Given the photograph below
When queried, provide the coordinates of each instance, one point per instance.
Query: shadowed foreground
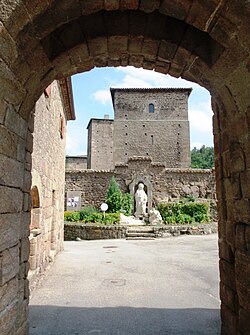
(119, 287)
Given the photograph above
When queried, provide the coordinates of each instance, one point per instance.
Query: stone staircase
(140, 233)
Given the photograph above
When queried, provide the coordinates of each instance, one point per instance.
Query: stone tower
(100, 144)
(152, 122)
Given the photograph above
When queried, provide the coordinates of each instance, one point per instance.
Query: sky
(92, 99)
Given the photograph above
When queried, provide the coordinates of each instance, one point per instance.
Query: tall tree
(202, 158)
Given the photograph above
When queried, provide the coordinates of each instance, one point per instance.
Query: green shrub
(127, 204)
(118, 201)
(87, 211)
(114, 196)
(71, 216)
(88, 215)
(184, 212)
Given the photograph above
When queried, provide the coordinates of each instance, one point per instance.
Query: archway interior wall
(27, 68)
(48, 166)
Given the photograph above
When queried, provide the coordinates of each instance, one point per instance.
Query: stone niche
(133, 185)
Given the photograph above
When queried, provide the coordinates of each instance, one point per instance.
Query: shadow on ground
(55, 320)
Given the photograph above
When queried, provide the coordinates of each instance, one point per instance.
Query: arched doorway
(205, 43)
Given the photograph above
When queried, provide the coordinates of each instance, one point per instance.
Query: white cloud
(138, 77)
(130, 81)
(200, 118)
(102, 96)
(76, 143)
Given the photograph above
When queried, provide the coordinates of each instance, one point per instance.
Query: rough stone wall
(100, 144)
(205, 42)
(76, 162)
(167, 184)
(48, 172)
(72, 231)
(162, 134)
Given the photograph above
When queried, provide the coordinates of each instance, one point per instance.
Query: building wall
(163, 134)
(167, 184)
(76, 162)
(48, 173)
(100, 144)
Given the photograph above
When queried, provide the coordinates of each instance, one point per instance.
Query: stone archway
(207, 43)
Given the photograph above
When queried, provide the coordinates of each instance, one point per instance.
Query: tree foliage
(202, 158)
(116, 200)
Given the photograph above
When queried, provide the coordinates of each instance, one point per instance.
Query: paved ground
(118, 287)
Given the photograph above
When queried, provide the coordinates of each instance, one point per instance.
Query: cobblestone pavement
(118, 287)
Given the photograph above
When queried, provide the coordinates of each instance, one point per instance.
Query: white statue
(155, 217)
(140, 201)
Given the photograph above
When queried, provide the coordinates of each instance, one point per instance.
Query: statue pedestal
(131, 220)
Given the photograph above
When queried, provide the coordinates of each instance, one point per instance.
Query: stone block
(225, 251)
(32, 262)
(8, 293)
(229, 297)
(9, 264)
(237, 157)
(243, 292)
(26, 202)
(149, 5)
(241, 211)
(117, 45)
(11, 200)
(244, 183)
(33, 248)
(11, 89)
(129, 4)
(8, 318)
(25, 224)
(9, 230)
(8, 142)
(150, 49)
(240, 241)
(22, 312)
(3, 106)
(25, 249)
(29, 142)
(111, 4)
(27, 180)
(14, 172)
(166, 51)
(229, 320)
(242, 268)
(98, 46)
(8, 48)
(89, 6)
(208, 10)
(23, 330)
(227, 274)
(15, 122)
(21, 151)
(244, 321)
(177, 9)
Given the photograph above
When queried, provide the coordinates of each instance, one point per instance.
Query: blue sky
(92, 100)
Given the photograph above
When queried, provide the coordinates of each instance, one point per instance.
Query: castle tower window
(151, 108)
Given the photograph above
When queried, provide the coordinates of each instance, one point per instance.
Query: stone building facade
(52, 111)
(76, 162)
(152, 122)
(147, 122)
(100, 144)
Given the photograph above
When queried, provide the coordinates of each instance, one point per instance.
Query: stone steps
(140, 233)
